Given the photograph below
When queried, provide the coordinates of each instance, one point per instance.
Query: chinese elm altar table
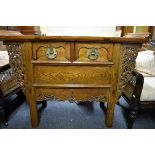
(72, 68)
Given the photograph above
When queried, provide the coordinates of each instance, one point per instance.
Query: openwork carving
(128, 90)
(72, 99)
(128, 60)
(15, 60)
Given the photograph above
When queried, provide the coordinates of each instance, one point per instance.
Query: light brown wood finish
(72, 38)
(63, 49)
(28, 81)
(105, 52)
(72, 75)
(73, 94)
(115, 84)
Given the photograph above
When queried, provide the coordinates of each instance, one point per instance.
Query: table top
(72, 38)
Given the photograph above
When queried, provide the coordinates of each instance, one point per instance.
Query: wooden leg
(3, 117)
(21, 94)
(102, 105)
(44, 104)
(33, 112)
(110, 114)
(132, 117)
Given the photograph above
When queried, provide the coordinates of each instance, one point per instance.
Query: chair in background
(8, 81)
(140, 91)
(8, 87)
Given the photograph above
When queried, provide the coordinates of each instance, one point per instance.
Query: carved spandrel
(71, 99)
(15, 60)
(71, 95)
(128, 62)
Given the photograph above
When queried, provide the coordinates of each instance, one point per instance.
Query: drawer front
(72, 75)
(99, 52)
(73, 95)
(53, 51)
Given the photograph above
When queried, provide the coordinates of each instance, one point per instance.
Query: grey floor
(65, 115)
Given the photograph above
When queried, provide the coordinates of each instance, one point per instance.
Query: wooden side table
(72, 68)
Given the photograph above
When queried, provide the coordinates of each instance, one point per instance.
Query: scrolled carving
(72, 99)
(128, 62)
(15, 60)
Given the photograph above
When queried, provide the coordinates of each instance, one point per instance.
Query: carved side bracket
(128, 62)
(15, 60)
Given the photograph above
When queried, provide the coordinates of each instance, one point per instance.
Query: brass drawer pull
(93, 54)
(51, 53)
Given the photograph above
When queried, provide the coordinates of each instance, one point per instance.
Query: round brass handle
(93, 54)
(51, 53)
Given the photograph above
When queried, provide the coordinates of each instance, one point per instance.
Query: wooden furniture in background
(26, 30)
(8, 87)
(29, 30)
(132, 94)
(126, 30)
(139, 91)
(8, 80)
(73, 68)
(137, 35)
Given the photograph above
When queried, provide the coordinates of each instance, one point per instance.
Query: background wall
(78, 31)
(141, 29)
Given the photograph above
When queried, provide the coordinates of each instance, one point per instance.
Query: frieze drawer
(54, 51)
(98, 52)
(72, 75)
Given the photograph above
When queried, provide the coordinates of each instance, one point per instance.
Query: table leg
(102, 105)
(110, 114)
(33, 112)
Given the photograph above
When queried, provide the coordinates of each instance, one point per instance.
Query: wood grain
(62, 48)
(73, 95)
(105, 52)
(72, 75)
(72, 38)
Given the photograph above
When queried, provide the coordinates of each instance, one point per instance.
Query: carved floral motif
(15, 60)
(128, 60)
(43, 95)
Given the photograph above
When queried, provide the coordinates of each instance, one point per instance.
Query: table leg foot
(102, 105)
(110, 115)
(34, 114)
(44, 104)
